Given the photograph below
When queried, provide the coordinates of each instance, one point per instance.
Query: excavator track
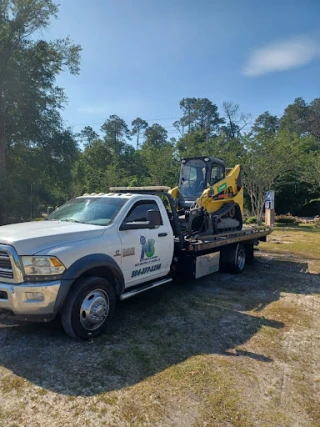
(227, 218)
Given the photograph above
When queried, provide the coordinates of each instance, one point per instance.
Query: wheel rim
(241, 259)
(94, 309)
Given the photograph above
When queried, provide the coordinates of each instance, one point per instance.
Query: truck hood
(28, 238)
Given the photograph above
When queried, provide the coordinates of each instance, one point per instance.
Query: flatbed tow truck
(100, 248)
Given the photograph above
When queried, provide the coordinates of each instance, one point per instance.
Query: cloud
(281, 55)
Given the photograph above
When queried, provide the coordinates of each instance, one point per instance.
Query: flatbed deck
(218, 240)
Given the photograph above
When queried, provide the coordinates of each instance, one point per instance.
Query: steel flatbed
(246, 235)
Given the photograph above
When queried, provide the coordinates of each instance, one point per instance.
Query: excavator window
(217, 174)
(193, 178)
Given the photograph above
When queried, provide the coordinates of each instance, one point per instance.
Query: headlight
(44, 266)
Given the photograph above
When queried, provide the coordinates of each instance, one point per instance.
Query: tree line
(43, 163)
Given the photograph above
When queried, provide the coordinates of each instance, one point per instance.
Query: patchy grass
(228, 350)
(303, 243)
(10, 383)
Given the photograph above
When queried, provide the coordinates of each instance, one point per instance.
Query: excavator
(209, 197)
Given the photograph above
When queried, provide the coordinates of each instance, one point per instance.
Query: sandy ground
(227, 350)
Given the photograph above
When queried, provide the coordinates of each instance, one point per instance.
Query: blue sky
(141, 57)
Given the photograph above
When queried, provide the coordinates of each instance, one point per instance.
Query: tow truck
(97, 249)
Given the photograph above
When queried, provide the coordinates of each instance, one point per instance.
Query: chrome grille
(6, 270)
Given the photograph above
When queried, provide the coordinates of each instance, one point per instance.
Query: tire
(236, 258)
(249, 254)
(88, 308)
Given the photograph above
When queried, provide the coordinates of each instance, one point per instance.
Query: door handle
(162, 234)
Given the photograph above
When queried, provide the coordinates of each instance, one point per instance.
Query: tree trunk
(2, 147)
(259, 217)
(2, 137)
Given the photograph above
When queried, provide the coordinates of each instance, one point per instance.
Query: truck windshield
(193, 178)
(89, 210)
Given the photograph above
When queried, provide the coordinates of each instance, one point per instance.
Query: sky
(141, 57)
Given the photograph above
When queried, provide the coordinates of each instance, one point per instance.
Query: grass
(223, 351)
(303, 241)
(11, 383)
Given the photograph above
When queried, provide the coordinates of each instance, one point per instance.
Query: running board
(143, 288)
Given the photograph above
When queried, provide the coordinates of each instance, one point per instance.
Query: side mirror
(154, 218)
(153, 221)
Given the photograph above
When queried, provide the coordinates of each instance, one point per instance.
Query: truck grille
(6, 271)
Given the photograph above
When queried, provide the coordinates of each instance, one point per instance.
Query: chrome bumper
(29, 298)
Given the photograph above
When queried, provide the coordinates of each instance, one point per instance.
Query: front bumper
(29, 299)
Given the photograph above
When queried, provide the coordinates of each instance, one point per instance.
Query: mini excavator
(209, 197)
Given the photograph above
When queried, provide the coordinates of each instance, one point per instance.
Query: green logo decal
(148, 248)
(222, 187)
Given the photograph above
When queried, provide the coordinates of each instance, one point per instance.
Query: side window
(139, 210)
(217, 174)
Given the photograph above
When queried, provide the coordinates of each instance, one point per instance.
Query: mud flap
(207, 264)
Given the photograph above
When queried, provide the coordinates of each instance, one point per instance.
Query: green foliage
(199, 114)
(266, 125)
(311, 208)
(155, 137)
(251, 220)
(30, 99)
(285, 219)
(116, 133)
(295, 117)
(138, 125)
(35, 151)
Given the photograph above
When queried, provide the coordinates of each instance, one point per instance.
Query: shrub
(316, 222)
(311, 208)
(251, 220)
(286, 219)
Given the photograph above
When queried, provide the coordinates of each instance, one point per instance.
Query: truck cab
(124, 239)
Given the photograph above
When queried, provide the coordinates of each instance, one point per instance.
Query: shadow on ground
(155, 330)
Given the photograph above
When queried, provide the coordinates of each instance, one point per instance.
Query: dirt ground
(228, 350)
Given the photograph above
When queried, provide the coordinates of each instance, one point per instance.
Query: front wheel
(88, 308)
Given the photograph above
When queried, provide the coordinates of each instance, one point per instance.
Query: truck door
(146, 253)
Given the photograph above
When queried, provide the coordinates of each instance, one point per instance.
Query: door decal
(147, 248)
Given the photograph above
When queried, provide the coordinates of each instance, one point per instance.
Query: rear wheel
(89, 307)
(240, 260)
(233, 258)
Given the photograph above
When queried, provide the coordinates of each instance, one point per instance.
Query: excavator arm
(229, 189)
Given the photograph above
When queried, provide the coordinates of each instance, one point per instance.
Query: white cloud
(281, 55)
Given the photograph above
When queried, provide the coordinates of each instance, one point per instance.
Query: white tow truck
(100, 248)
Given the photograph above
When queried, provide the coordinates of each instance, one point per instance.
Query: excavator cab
(197, 174)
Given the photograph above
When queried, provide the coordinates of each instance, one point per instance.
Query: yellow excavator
(209, 197)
